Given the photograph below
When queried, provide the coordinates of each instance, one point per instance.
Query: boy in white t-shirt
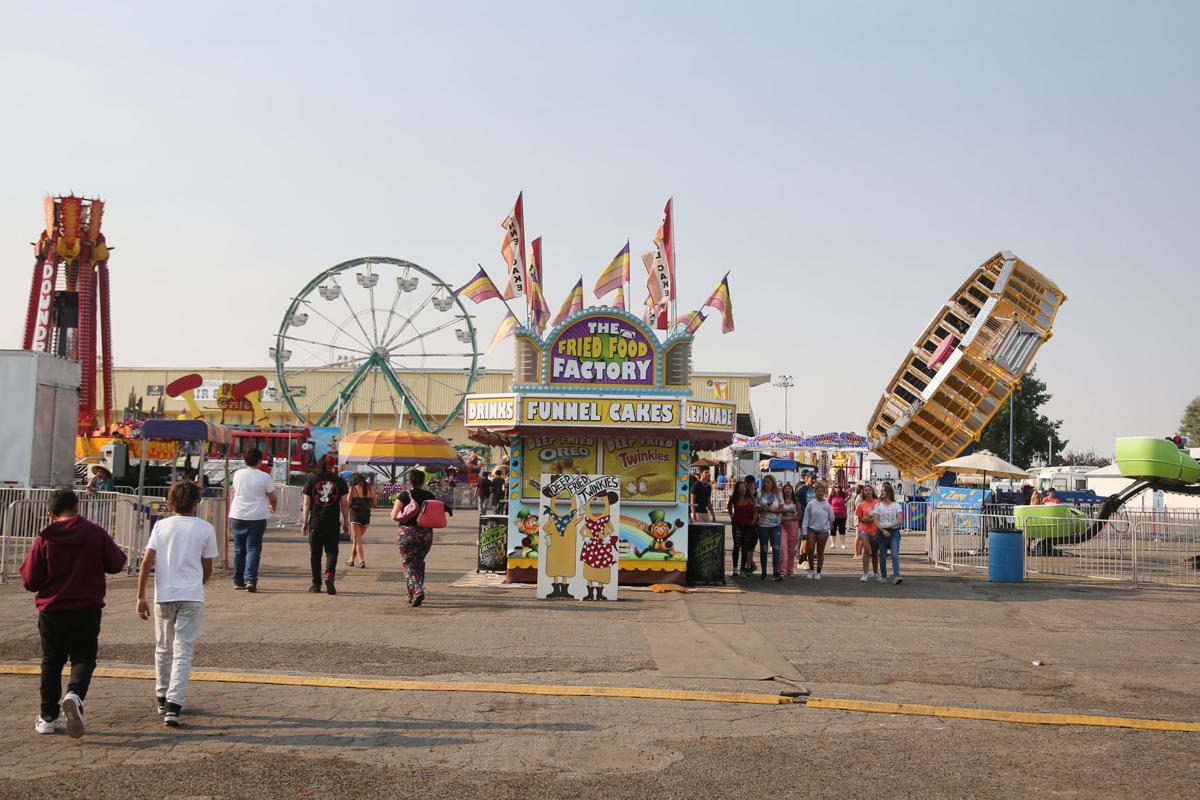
(181, 552)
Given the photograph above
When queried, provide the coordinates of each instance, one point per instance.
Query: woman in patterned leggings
(414, 542)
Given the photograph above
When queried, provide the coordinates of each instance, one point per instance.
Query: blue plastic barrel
(1006, 556)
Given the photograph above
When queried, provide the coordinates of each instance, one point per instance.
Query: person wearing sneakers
(65, 567)
(837, 501)
(180, 552)
(818, 521)
(252, 502)
(867, 545)
(889, 515)
(326, 515)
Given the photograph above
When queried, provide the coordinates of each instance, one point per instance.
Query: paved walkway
(935, 639)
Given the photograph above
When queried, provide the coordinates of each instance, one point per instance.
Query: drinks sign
(602, 350)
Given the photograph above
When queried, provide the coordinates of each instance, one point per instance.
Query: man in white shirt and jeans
(180, 551)
(252, 501)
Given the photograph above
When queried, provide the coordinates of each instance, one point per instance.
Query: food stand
(601, 394)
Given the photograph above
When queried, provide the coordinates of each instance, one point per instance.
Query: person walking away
(483, 491)
(805, 493)
(818, 521)
(326, 514)
(362, 499)
(889, 515)
(414, 542)
(769, 507)
(252, 502)
(180, 552)
(867, 543)
(65, 567)
(837, 501)
(742, 516)
(500, 493)
(701, 499)
(789, 525)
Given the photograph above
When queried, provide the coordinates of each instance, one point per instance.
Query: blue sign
(959, 498)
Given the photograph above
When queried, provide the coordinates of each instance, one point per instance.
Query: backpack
(433, 514)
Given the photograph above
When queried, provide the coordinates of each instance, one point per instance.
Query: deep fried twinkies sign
(601, 350)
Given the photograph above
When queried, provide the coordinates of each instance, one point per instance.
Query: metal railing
(23, 518)
(289, 500)
(1137, 548)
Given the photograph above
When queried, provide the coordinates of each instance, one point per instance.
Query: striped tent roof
(396, 448)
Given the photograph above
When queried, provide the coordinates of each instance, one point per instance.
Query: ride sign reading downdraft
(602, 350)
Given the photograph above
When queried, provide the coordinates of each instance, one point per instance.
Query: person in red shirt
(66, 567)
(742, 515)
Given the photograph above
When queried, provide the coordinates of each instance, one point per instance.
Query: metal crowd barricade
(24, 518)
(1136, 548)
(289, 500)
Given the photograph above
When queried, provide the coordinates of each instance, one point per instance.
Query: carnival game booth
(601, 395)
(172, 432)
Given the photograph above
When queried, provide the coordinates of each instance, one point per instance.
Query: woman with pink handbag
(417, 514)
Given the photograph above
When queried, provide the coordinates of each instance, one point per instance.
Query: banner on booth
(711, 415)
(485, 410)
(602, 412)
(555, 455)
(645, 467)
(602, 350)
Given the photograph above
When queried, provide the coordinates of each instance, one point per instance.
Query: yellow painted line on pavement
(995, 715)
(548, 690)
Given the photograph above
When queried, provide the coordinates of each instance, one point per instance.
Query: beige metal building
(438, 391)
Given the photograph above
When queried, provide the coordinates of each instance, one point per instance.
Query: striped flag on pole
(692, 321)
(507, 326)
(573, 303)
(615, 275)
(721, 301)
(619, 298)
(513, 249)
(479, 288)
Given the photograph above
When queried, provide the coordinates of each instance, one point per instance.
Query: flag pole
(674, 273)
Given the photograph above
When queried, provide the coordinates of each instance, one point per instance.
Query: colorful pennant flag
(539, 309)
(692, 321)
(573, 303)
(721, 301)
(615, 275)
(513, 249)
(479, 288)
(619, 298)
(655, 315)
(653, 289)
(507, 326)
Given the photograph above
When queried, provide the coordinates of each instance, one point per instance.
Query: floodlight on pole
(785, 382)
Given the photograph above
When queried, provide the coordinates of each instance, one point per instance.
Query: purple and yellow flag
(692, 321)
(479, 288)
(573, 303)
(619, 298)
(507, 326)
(615, 275)
(721, 301)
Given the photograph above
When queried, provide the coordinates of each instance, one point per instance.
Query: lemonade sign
(602, 350)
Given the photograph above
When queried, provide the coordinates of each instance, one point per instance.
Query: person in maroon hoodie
(66, 567)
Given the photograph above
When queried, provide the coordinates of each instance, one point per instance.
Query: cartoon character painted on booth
(527, 526)
(660, 531)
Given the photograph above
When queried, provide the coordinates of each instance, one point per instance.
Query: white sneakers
(72, 708)
(818, 575)
(810, 574)
(42, 726)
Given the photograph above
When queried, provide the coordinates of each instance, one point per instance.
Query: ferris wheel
(376, 336)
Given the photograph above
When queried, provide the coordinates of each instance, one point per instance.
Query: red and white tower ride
(68, 299)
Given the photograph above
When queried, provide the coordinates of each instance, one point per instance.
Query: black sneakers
(162, 705)
(315, 588)
(171, 715)
(329, 587)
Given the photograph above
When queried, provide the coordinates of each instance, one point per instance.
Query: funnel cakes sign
(602, 350)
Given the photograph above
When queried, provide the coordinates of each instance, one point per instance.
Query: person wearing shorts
(818, 521)
(868, 546)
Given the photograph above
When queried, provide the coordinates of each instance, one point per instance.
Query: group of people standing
(797, 523)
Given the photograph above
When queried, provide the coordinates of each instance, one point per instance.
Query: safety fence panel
(23, 519)
(289, 500)
(1135, 548)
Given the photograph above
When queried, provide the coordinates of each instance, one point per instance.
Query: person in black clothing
(701, 499)
(414, 542)
(326, 515)
(483, 488)
(500, 492)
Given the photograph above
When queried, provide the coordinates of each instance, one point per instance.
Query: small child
(66, 567)
(181, 550)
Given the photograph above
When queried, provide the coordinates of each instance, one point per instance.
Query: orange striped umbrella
(396, 448)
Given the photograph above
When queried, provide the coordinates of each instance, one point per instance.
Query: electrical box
(40, 419)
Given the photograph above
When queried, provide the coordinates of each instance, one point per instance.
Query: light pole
(785, 383)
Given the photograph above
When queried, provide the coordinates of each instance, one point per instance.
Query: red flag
(539, 310)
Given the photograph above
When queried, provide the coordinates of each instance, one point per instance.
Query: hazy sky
(851, 163)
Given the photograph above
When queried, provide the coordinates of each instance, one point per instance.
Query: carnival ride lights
(964, 366)
(69, 312)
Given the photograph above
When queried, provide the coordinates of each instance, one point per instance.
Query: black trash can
(493, 543)
(706, 554)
